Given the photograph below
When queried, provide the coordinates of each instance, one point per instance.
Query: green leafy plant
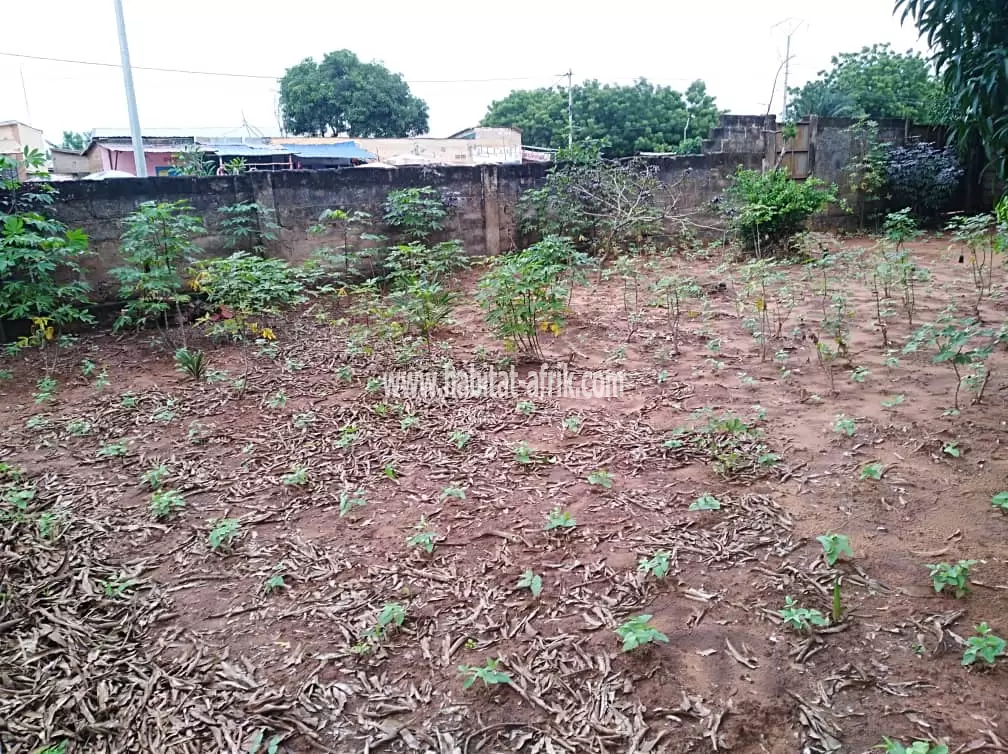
(917, 747)
(191, 362)
(531, 581)
(638, 631)
(956, 342)
(223, 533)
(674, 291)
(296, 477)
(157, 242)
(601, 478)
(844, 425)
(155, 476)
(275, 581)
(871, 471)
(560, 519)
(522, 297)
(1000, 500)
(116, 586)
(490, 674)
(425, 538)
(953, 577)
(247, 226)
(523, 454)
(164, 503)
(459, 439)
(835, 546)
(303, 420)
(705, 502)
(417, 213)
(453, 492)
(800, 619)
(767, 209)
(985, 646)
(113, 450)
(41, 279)
(573, 424)
(348, 501)
(78, 427)
(952, 449)
(657, 565)
(277, 400)
(45, 387)
(258, 740)
(525, 408)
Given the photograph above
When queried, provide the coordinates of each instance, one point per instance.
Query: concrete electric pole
(570, 109)
(134, 119)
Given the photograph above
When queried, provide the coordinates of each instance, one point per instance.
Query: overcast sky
(458, 56)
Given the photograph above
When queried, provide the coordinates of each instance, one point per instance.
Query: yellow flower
(268, 334)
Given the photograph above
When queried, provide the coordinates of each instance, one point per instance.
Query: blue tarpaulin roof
(346, 150)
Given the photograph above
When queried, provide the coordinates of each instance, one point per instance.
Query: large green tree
(641, 117)
(75, 140)
(970, 43)
(343, 95)
(875, 82)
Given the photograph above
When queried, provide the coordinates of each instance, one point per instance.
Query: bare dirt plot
(121, 633)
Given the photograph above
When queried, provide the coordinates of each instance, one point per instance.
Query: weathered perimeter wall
(482, 201)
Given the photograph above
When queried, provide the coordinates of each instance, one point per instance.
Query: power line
(226, 74)
(263, 77)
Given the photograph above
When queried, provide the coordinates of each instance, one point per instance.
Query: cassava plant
(157, 244)
(674, 291)
(521, 296)
(41, 279)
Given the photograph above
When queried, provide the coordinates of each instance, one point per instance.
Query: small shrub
(154, 477)
(917, 747)
(835, 546)
(348, 501)
(531, 581)
(522, 294)
(800, 619)
(417, 213)
(951, 576)
(164, 503)
(657, 565)
(705, 502)
(922, 177)
(191, 362)
(247, 226)
(223, 533)
(638, 631)
(601, 478)
(489, 673)
(766, 210)
(560, 519)
(985, 646)
(156, 243)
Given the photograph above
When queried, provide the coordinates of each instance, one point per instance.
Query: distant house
(15, 136)
(342, 154)
(474, 146)
(116, 153)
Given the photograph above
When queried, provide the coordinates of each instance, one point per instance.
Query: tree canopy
(343, 95)
(75, 140)
(641, 117)
(875, 82)
(970, 40)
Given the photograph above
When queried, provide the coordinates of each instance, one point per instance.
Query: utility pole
(138, 154)
(570, 109)
(787, 70)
